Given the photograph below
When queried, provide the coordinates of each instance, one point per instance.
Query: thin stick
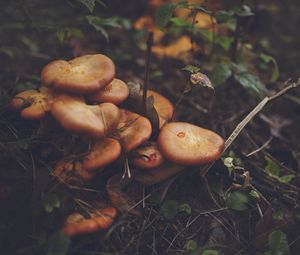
(146, 75)
(249, 117)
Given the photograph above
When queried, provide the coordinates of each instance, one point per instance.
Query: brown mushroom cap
(34, 104)
(72, 172)
(77, 224)
(133, 130)
(187, 144)
(92, 120)
(116, 92)
(147, 157)
(157, 174)
(82, 75)
(163, 107)
(102, 153)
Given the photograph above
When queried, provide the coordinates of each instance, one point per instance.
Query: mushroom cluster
(85, 98)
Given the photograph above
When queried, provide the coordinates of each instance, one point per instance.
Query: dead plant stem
(250, 116)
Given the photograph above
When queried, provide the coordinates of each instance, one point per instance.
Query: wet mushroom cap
(92, 120)
(133, 130)
(116, 92)
(103, 152)
(82, 75)
(34, 104)
(163, 107)
(77, 224)
(187, 144)
(147, 157)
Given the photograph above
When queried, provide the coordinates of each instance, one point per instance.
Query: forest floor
(247, 202)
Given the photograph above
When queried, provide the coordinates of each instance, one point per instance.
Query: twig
(249, 117)
(261, 147)
(146, 75)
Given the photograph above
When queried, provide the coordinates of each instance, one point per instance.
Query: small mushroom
(82, 75)
(133, 130)
(116, 92)
(147, 156)
(102, 153)
(34, 104)
(187, 144)
(77, 224)
(92, 120)
(163, 107)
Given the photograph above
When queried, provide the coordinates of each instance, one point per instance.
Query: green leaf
(191, 245)
(58, 244)
(191, 69)
(224, 16)
(228, 162)
(278, 243)
(210, 252)
(206, 34)
(269, 59)
(254, 194)
(272, 167)
(225, 42)
(178, 22)
(237, 201)
(50, 202)
(163, 15)
(99, 23)
(251, 83)
(221, 73)
(89, 4)
(185, 208)
(286, 178)
(169, 209)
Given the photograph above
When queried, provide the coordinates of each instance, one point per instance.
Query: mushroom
(133, 130)
(92, 120)
(147, 156)
(82, 75)
(71, 171)
(116, 92)
(163, 107)
(34, 104)
(102, 153)
(77, 224)
(187, 144)
(157, 174)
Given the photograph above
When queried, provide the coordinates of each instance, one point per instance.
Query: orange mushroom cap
(163, 107)
(77, 224)
(102, 153)
(187, 144)
(82, 75)
(76, 116)
(133, 130)
(147, 157)
(34, 104)
(116, 92)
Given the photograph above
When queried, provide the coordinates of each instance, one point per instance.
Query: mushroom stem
(127, 172)
(146, 76)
